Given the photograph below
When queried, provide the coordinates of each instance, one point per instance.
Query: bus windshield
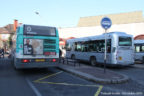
(125, 41)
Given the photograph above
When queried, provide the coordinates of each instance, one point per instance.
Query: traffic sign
(106, 23)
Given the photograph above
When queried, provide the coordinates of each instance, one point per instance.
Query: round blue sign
(106, 22)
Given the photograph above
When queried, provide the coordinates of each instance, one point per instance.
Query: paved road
(42, 82)
(55, 82)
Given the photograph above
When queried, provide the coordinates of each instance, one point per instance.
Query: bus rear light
(53, 60)
(25, 60)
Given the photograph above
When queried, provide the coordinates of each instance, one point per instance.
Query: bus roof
(138, 41)
(97, 36)
(35, 25)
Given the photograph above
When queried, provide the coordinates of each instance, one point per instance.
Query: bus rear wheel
(14, 63)
(93, 61)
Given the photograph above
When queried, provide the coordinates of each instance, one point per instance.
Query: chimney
(15, 24)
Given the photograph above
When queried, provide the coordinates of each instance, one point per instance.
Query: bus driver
(28, 49)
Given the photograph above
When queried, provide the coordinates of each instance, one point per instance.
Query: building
(131, 23)
(121, 18)
(5, 33)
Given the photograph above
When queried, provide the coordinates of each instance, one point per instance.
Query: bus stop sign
(106, 23)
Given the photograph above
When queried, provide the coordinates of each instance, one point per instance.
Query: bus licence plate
(40, 60)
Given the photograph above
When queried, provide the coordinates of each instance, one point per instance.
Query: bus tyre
(14, 63)
(73, 57)
(93, 61)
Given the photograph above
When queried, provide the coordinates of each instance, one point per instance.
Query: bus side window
(98, 46)
(90, 47)
(102, 45)
(142, 48)
(68, 47)
(82, 47)
(75, 46)
(78, 46)
(137, 48)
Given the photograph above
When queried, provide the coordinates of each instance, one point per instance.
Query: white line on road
(33, 88)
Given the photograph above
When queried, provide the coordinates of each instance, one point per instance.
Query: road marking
(67, 84)
(99, 90)
(48, 76)
(33, 88)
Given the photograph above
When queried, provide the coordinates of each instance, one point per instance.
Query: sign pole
(105, 23)
(105, 54)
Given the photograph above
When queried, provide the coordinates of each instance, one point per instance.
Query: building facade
(131, 23)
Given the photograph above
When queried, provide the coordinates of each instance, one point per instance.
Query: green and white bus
(35, 47)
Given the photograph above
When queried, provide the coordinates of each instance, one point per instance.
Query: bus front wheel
(93, 61)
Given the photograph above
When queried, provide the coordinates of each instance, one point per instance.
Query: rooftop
(8, 29)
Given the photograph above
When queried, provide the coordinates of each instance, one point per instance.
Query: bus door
(109, 55)
(101, 51)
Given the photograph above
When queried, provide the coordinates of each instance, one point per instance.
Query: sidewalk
(5, 56)
(95, 74)
(139, 66)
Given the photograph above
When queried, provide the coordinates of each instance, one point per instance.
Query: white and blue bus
(120, 49)
(139, 50)
(35, 47)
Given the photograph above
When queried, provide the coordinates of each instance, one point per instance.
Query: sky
(62, 13)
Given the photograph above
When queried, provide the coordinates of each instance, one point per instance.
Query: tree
(10, 41)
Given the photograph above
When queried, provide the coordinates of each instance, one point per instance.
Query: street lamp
(37, 13)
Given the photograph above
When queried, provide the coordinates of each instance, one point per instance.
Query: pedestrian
(2, 52)
(60, 53)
